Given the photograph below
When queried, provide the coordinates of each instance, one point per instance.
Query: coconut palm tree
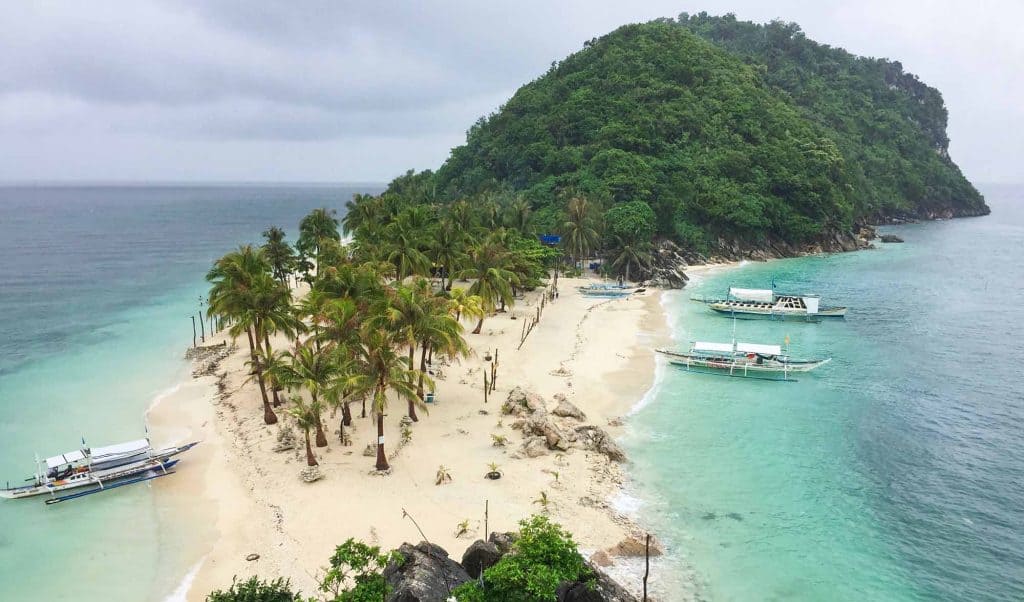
(438, 332)
(630, 253)
(316, 226)
(307, 369)
(488, 264)
(383, 371)
(307, 416)
(279, 253)
(361, 211)
(579, 229)
(519, 215)
(461, 303)
(236, 280)
(447, 250)
(404, 312)
(406, 239)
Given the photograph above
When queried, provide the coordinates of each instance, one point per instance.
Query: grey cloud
(143, 83)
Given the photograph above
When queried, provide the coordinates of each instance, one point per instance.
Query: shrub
(255, 589)
(355, 574)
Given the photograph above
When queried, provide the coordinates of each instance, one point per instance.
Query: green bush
(355, 573)
(255, 589)
(544, 556)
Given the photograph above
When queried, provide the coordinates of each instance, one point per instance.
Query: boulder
(425, 573)
(566, 409)
(534, 447)
(480, 556)
(596, 586)
(521, 402)
(635, 546)
(890, 238)
(596, 439)
(601, 558)
(503, 541)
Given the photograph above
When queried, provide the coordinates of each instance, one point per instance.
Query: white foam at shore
(162, 395)
(180, 593)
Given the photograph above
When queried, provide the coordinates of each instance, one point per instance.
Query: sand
(247, 499)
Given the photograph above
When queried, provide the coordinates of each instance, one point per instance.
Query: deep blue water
(894, 473)
(97, 286)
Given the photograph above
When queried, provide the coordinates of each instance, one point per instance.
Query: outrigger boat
(97, 469)
(747, 303)
(748, 360)
(608, 290)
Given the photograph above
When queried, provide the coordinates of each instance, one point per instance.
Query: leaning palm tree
(307, 416)
(489, 265)
(579, 229)
(461, 303)
(439, 332)
(307, 369)
(384, 371)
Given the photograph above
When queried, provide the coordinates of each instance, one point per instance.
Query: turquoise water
(98, 284)
(894, 473)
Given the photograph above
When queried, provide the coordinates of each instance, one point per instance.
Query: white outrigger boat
(748, 303)
(748, 360)
(92, 470)
(608, 290)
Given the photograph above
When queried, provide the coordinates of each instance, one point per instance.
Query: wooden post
(494, 371)
(647, 563)
(485, 386)
(193, 330)
(487, 507)
(202, 325)
(522, 337)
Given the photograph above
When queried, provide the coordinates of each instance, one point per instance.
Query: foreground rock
(635, 546)
(598, 588)
(890, 238)
(532, 418)
(425, 574)
(480, 556)
(566, 409)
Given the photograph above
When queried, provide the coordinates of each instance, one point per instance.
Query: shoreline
(255, 502)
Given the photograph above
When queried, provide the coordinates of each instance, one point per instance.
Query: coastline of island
(596, 354)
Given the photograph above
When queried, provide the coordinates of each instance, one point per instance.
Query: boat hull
(740, 367)
(769, 313)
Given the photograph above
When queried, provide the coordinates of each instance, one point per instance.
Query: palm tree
(361, 211)
(461, 303)
(630, 253)
(383, 370)
(446, 249)
(306, 416)
(318, 225)
(307, 369)
(406, 239)
(518, 216)
(441, 333)
(488, 264)
(235, 280)
(279, 253)
(404, 313)
(578, 229)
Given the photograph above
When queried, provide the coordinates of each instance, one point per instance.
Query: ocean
(97, 288)
(896, 472)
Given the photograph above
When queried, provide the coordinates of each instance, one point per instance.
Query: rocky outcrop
(890, 238)
(596, 586)
(521, 402)
(424, 573)
(668, 262)
(480, 556)
(504, 541)
(566, 409)
(633, 545)
(595, 438)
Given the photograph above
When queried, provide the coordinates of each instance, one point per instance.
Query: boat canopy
(120, 449)
(704, 346)
(752, 294)
(65, 458)
(762, 349)
(812, 304)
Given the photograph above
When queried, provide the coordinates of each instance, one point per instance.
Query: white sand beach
(251, 500)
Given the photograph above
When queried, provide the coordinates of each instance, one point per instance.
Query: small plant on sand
(500, 424)
(553, 473)
(494, 474)
(499, 440)
(406, 433)
(544, 502)
(462, 528)
(443, 476)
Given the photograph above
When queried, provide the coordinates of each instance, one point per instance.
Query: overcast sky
(217, 90)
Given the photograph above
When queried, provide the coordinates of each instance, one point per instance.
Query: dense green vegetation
(723, 130)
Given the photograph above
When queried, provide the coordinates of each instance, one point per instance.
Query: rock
(523, 403)
(371, 450)
(667, 265)
(252, 557)
(890, 238)
(534, 447)
(596, 586)
(634, 546)
(480, 556)
(311, 474)
(595, 438)
(425, 573)
(503, 541)
(566, 409)
(601, 558)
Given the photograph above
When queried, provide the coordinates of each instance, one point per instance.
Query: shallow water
(98, 286)
(893, 473)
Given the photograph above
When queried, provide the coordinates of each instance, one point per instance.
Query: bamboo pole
(485, 386)
(647, 563)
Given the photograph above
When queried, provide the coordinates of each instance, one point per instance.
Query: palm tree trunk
(423, 371)
(346, 414)
(479, 325)
(274, 390)
(269, 417)
(341, 429)
(412, 406)
(321, 438)
(310, 458)
(363, 414)
(382, 460)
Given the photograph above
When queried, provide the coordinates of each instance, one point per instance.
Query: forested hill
(726, 137)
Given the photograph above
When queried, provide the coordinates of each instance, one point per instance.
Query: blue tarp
(550, 239)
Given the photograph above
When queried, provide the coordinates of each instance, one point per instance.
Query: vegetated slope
(890, 127)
